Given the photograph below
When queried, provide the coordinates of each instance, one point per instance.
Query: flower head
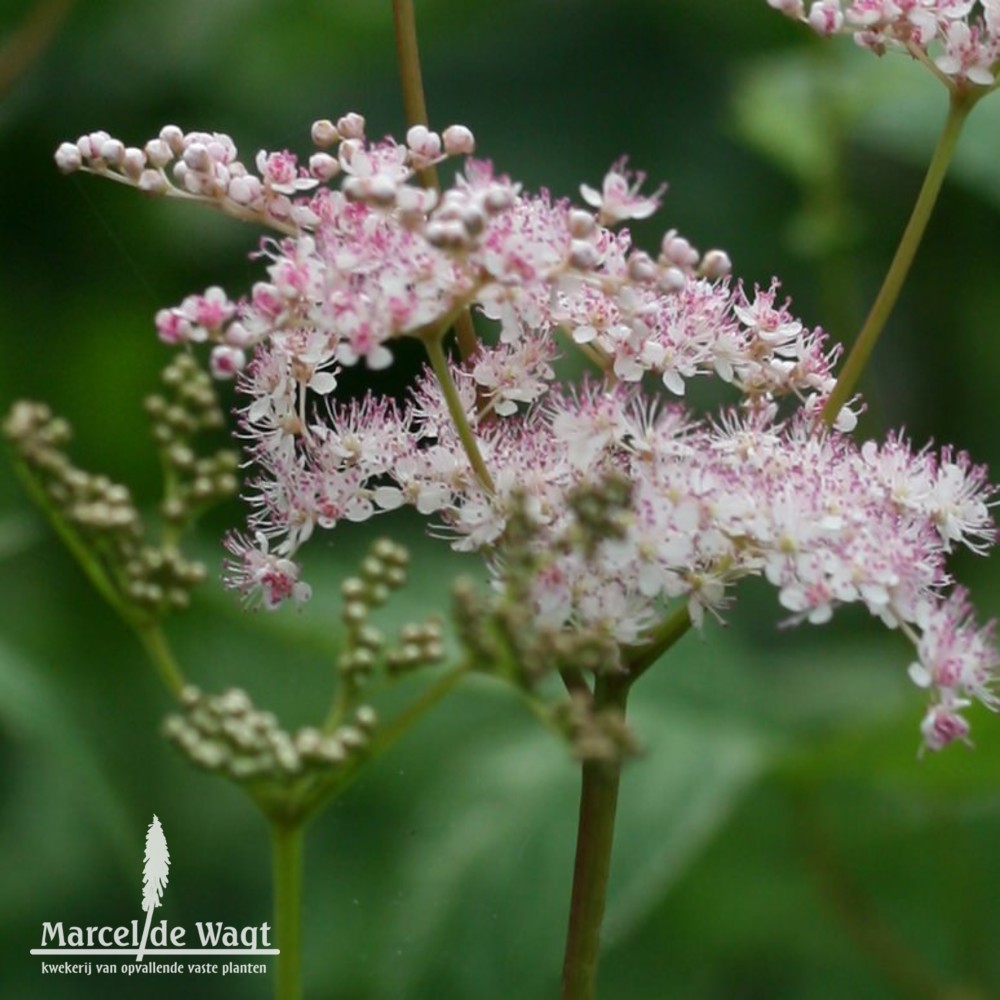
(960, 38)
(365, 257)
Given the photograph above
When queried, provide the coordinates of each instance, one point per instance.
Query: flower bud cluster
(382, 571)
(101, 515)
(205, 166)
(504, 633)
(600, 735)
(227, 735)
(959, 38)
(188, 409)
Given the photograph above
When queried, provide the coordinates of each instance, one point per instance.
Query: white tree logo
(155, 871)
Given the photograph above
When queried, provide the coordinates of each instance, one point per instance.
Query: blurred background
(779, 838)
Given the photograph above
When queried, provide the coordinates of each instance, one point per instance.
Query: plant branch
(439, 363)
(960, 104)
(639, 658)
(415, 108)
(411, 78)
(68, 535)
(158, 648)
(385, 738)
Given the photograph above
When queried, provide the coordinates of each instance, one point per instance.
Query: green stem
(92, 569)
(156, 645)
(595, 836)
(286, 848)
(960, 104)
(408, 55)
(638, 659)
(415, 108)
(383, 741)
(435, 353)
(149, 633)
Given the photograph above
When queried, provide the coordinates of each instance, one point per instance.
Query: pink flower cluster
(960, 38)
(761, 489)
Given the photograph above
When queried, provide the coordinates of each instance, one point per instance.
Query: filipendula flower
(364, 257)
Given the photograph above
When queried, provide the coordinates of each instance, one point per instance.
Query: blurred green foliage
(779, 838)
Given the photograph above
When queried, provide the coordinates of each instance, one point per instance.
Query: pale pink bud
(237, 335)
(246, 189)
(715, 264)
(159, 152)
(474, 220)
(458, 140)
(95, 141)
(498, 199)
(416, 200)
(226, 361)
(197, 157)
(351, 126)
(583, 255)
(671, 280)
(172, 327)
(447, 235)
(641, 267)
(825, 17)
(152, 182)
(323, 166)
(68, 157)
(174, 138)
(581, 224)
(113, 151)
(324, 133)
(677, 250)
(347, 149)
(133, 163)
(423, 142)
(355, 188)
(792, 8)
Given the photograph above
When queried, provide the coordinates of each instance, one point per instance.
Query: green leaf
(793, 109)
(59, 782)
(18, 532)
(696, 770)
(886, 755)
(906, 126)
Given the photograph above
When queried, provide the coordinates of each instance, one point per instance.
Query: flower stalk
(961, 102)
(154, 641)
(415, 107)
(595, 837)
(286, 854)
(410, 75)
(439, 363)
